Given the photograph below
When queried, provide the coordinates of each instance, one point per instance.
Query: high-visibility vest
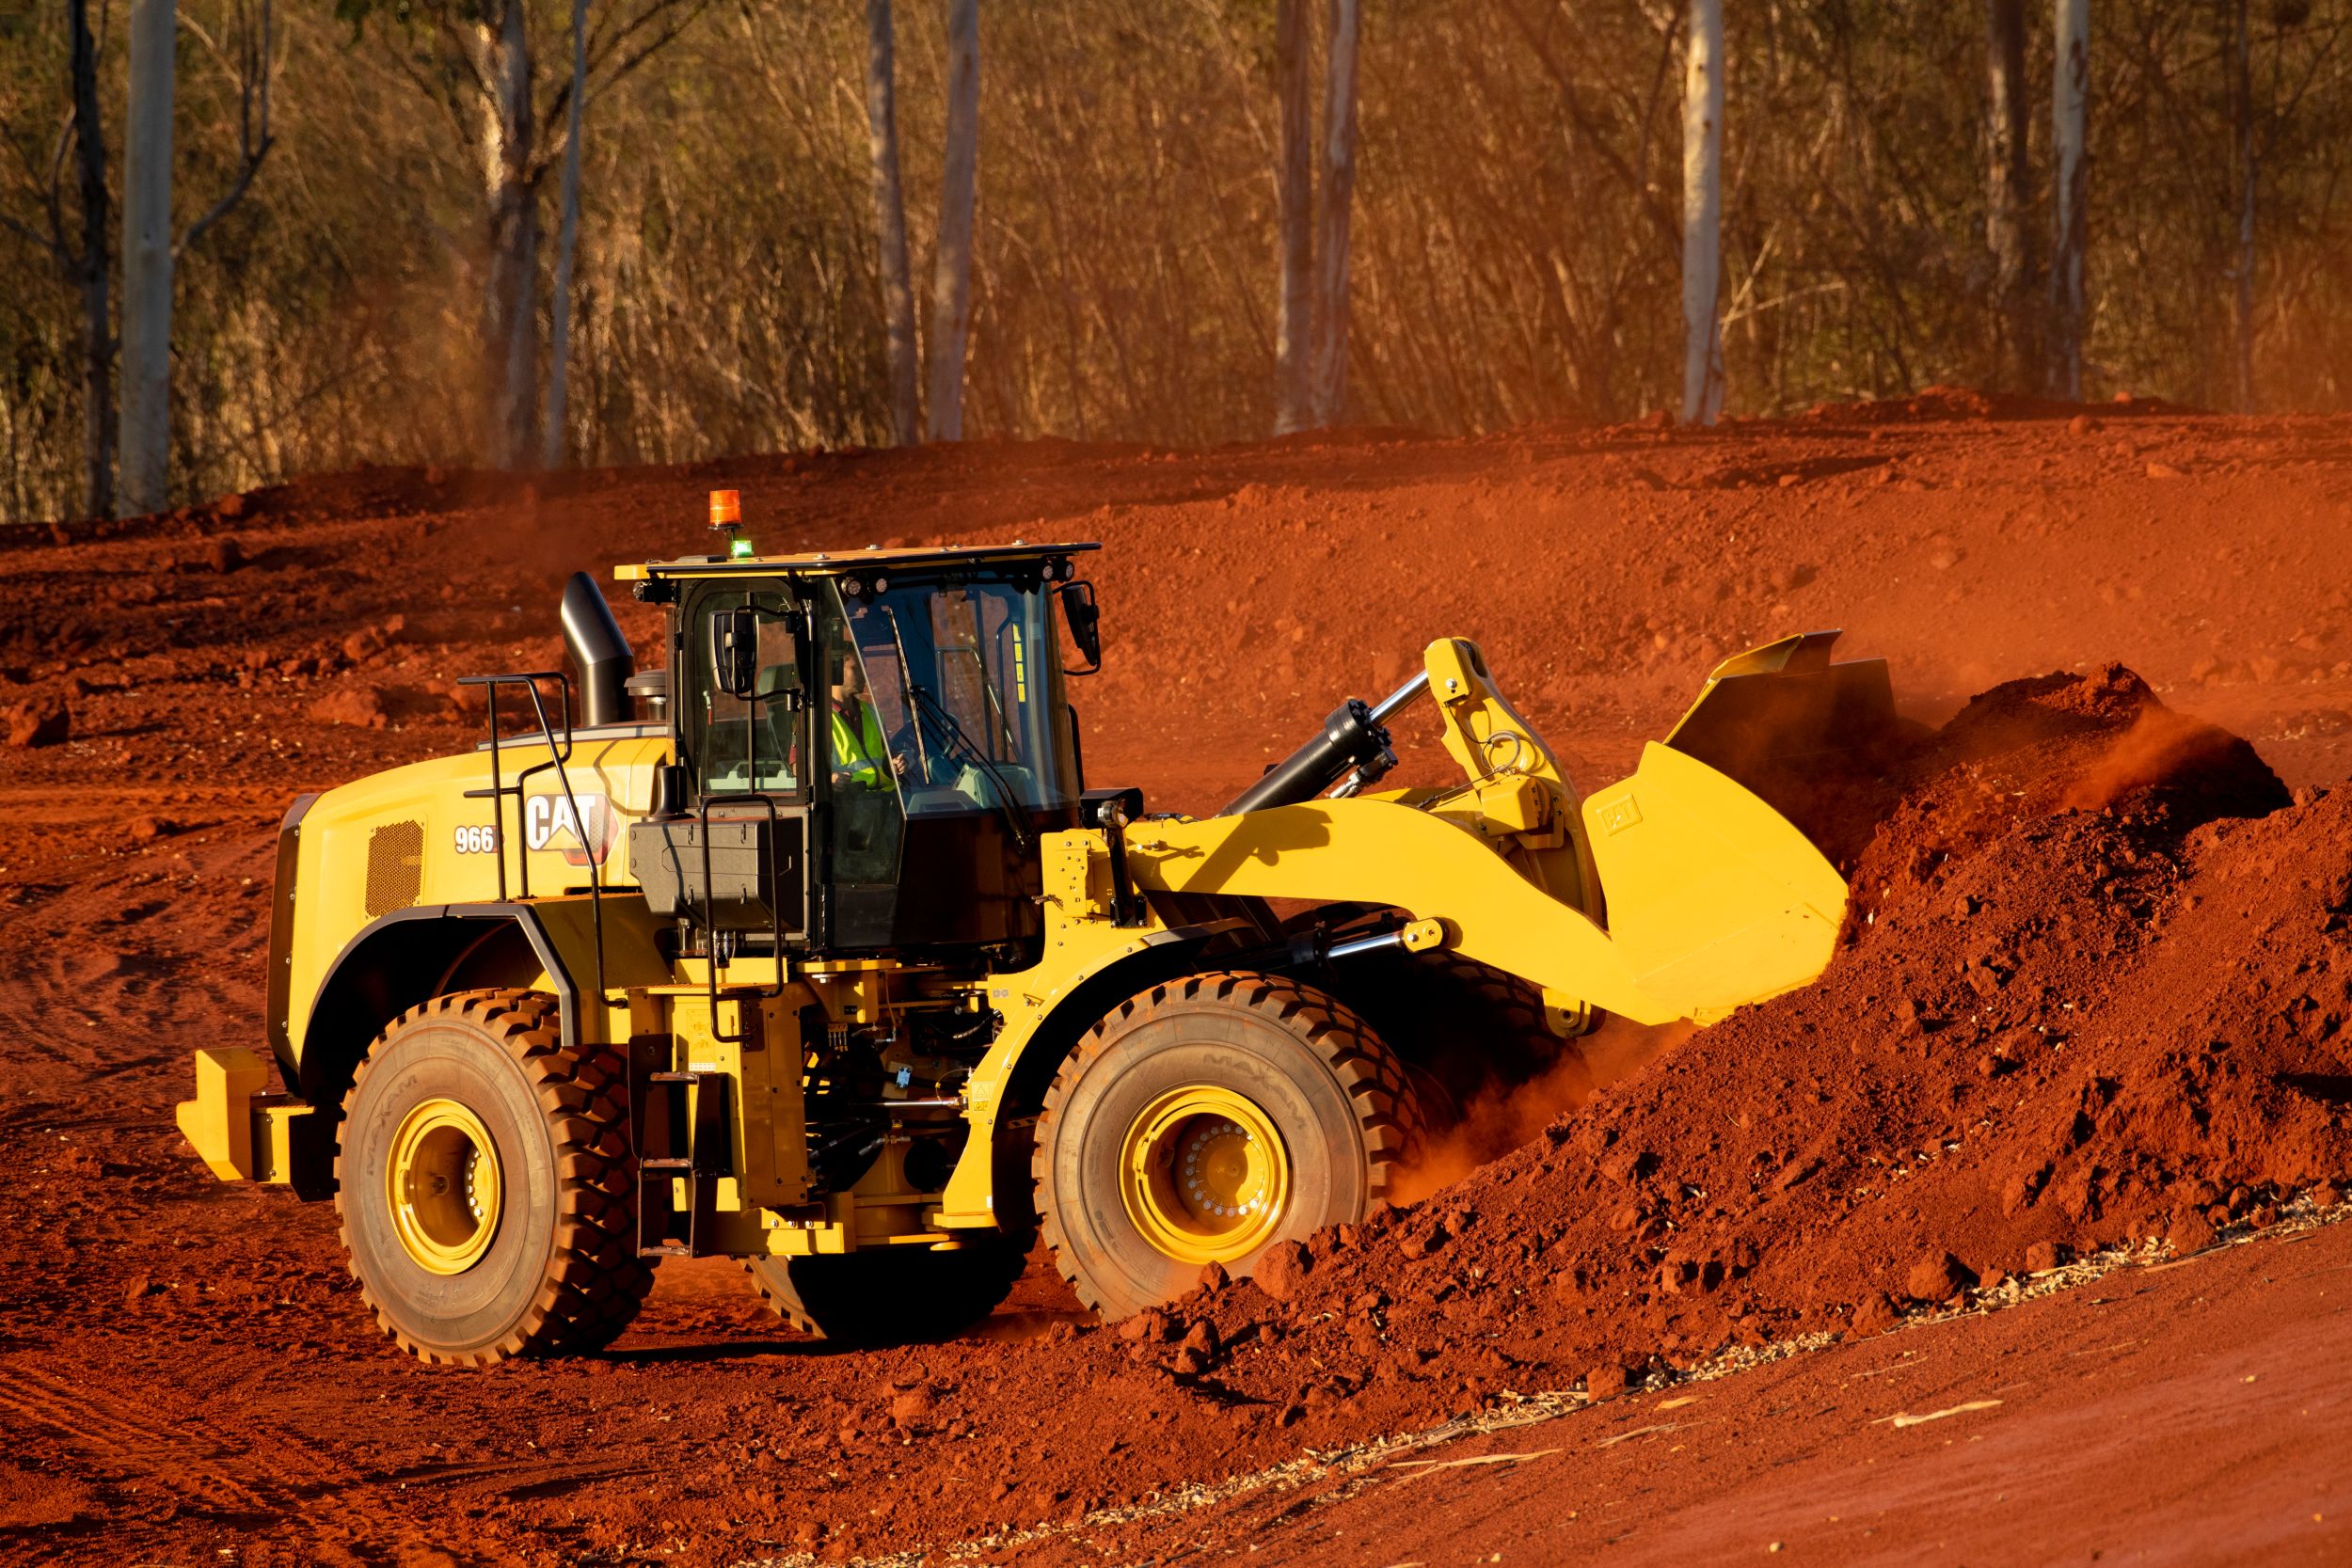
(858, 749)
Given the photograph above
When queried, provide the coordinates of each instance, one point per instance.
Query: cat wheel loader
(816, 948)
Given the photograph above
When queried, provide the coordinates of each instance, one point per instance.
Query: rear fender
(243, 1132)
(406, 959)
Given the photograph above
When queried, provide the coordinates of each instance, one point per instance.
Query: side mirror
(1086, 624)
(734, 650)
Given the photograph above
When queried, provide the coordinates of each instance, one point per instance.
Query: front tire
(1478, 1032)
(1206, 1119)
(487, 1203)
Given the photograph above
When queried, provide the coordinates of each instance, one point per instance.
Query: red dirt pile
(2094, 992)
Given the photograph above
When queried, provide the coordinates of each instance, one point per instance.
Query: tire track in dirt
(268, 1473)
(179, 1455)
(83, 1006)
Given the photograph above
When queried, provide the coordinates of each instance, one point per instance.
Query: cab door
(744, 737)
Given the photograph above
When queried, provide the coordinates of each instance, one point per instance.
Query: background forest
(1515, 253)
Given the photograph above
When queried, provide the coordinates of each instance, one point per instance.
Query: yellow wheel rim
(1204, 1175)
(443, 1188)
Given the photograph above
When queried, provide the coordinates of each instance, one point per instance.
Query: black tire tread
(1388, 1110)
(1470, 1027)
(595, 1283)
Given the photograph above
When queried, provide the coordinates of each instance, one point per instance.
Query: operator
(860, 755)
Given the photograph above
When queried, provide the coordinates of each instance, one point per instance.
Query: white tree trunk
(2006, 173)
(1702, 213)
(951, 276)
(511, 306)
(2242, 91)
(890, 220)
(1338, 190)
(146, 450)
(2070, 188)
(1294, 200)
(551, 427)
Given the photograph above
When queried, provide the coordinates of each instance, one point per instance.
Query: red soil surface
(2095, 995)
(2020, 1437)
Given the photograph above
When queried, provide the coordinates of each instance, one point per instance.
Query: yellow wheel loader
(816, 948)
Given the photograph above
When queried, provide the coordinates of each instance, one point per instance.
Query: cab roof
(839, 563)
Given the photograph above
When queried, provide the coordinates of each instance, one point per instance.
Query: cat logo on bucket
(549, 822)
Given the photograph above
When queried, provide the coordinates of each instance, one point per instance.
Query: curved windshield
(939, 693)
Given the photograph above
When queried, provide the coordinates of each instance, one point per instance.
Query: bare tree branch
(253, 84)
(64, 258)
(550, 150)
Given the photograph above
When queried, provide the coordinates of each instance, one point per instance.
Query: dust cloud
(1502, 1116)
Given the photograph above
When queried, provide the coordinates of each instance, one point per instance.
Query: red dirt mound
(2029, 749)
(2005, 1065)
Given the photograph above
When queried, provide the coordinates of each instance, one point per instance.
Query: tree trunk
(147, 260)
(2007, 177)
(1702, 213)
(90, 272)
(1293, 199)
(1338, 190)
(951, 276)
(511, 308)
(890, 220)
(2242, 93)
(551, 428)
(2070, 189)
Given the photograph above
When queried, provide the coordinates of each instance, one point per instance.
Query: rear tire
(1206, 1119)
(889, 1295)
(488, 1204)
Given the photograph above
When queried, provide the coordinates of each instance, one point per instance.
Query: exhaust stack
(598, 651)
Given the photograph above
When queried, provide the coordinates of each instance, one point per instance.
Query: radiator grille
(395, 866)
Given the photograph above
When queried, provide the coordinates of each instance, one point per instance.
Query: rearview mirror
(1086, 624)
(734, 650)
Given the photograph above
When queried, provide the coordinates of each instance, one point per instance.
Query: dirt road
(2184, 1414)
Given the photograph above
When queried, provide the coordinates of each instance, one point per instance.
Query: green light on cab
(739, 548)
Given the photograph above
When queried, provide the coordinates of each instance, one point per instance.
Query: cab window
(747, 744)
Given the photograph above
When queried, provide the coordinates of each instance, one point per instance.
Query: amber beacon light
(727, 516)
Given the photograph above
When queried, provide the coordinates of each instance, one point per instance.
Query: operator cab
(890, 726)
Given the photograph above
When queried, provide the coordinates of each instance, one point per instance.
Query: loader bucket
(1715, 898)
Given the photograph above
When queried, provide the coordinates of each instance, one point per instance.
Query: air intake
(395, 867)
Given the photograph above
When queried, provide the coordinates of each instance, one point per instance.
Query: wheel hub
(443, 1187)
(1204, 1176)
